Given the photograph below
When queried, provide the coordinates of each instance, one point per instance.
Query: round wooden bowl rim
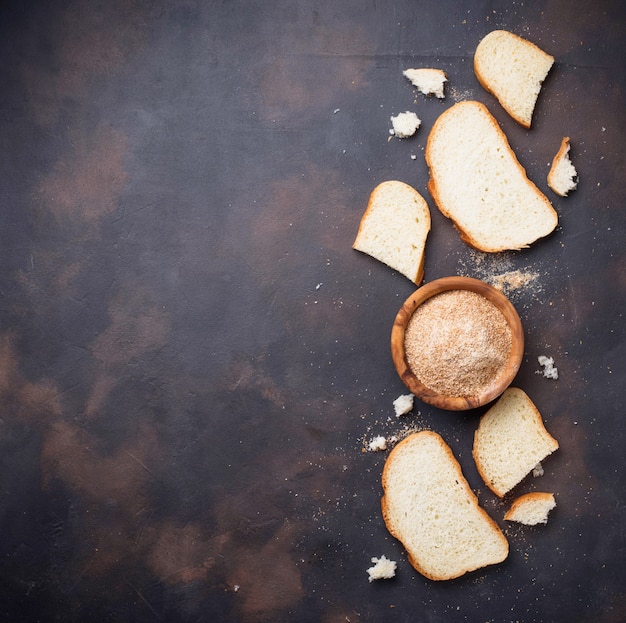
(498, 385)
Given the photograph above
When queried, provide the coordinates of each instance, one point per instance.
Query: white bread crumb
(549, 370)
(405, 124)
(378, 443)
(403, 404)
(538, 470)
(428, 81)
(383, 569)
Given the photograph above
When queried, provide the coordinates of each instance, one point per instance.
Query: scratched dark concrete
(192, 358)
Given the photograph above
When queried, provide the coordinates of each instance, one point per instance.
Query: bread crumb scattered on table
(383, 569)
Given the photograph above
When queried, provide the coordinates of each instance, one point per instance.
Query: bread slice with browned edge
(477, 181)
(430, 508)
(394, 228)
(562, 177)
(513, 69)
(531, 509)
(510, 440)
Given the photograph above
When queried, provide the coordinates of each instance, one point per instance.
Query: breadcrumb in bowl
(457, 343)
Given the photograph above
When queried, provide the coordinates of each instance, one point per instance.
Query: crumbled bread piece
(378, 443)
(549, 369)
(538, 470)
(403, 404)
(383, 569)
(427, 80)
(562, 177)
(531, 509)
(405, 124)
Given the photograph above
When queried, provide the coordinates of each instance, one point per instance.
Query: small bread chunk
(427, 80)
(403, 404)
(562, 177)
(383, 569)
(510, 440)
(477, 181)
(531, 509)
(405, 124)
(513, 69)
(430, 508)
(378, 443)
(550, 371)
(394, 228)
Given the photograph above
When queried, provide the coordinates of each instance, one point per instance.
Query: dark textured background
(192, 357)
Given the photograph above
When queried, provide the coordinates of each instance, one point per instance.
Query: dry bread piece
(403, 404)
(476, 180)
(427, 80)
(510, 440)
(531, 509)
(405, 124)
(383, 569)
(513, 69)
(430, 508)
(562, 177)
(394, 228)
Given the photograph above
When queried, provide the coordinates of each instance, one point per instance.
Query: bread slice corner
(531, 509)
(394, 228)
(510, 441)
(562, 177)
(513, 70)
(430, 508)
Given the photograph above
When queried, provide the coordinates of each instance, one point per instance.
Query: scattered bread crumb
(378, 443)
(427, 80)
(383, 569)
(549, 369)
(403, 404)
(405, 124)
(512, 280)
(538, 470)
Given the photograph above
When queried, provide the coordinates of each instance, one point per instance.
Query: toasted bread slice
(562, 177)
(430, 508)
(510, 440)
(513, 69)
(394, 228)
(477, 181)
(531, 509)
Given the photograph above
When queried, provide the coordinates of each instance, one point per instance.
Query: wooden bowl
(497, 385)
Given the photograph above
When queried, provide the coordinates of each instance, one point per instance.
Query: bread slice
(513, 69)
(562, 177)
(510, 440)
(430, 508)
(476, 180)
(394, 228)
(427, 80)
(531, 509)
